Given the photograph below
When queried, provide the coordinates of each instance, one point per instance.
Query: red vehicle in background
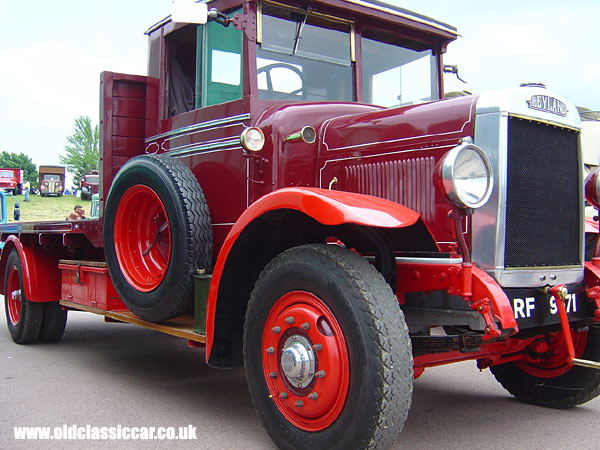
(89, 184)
(289, 172)
(11, 180)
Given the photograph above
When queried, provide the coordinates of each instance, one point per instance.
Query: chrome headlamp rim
(445, 177)
(244, 142)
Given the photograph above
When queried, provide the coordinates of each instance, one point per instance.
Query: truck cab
(207, 83)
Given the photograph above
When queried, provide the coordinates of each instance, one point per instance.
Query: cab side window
(203, 67)
(182, 70)
(222, 64)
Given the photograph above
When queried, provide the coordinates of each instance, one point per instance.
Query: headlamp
(464, 176)
(252, 139)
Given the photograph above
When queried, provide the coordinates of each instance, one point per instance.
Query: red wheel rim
(552, 362)
(316, 404)
(142, 238)
(13, 295)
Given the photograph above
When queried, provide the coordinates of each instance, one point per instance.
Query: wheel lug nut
(299, 404)
(313, 396)
(273, 375)
(305, 326)
(276, 329)
(270, 350)
(283, 395)
(289, 320)
(320, 374)
(318, 347)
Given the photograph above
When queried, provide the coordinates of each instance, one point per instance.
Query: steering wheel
(284, 95)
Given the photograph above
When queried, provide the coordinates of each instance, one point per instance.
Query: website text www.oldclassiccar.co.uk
(118, 432)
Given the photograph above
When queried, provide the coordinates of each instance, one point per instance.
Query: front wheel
(550, 381)
(327, 354)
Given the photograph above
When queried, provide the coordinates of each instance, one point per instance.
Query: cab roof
(378, 9)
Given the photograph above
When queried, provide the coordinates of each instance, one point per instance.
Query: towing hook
(560, 292)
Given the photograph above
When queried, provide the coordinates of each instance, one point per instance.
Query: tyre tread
(54, 321)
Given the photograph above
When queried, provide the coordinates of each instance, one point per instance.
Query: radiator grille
(407, 182)
(542, 196)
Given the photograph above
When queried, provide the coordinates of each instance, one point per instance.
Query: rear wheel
(24, 318)
(550, 381)
(327, 353)
(157, 233)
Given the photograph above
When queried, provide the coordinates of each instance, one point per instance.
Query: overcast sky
(52, 53)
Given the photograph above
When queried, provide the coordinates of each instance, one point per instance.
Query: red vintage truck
(287, 188)
(11, 180)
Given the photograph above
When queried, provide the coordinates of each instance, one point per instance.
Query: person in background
(77, 214)
(27, 186)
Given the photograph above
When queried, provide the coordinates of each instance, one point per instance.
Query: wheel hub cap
(298, 361)
(305, 361)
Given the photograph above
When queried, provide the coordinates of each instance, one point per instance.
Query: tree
(82, 153)
(20, 161)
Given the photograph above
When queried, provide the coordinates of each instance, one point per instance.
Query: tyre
(326, 351)
(24, 318)
(54, 321)
(551, 382)
(157, 233)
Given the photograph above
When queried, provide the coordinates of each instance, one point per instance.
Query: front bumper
(505, 311)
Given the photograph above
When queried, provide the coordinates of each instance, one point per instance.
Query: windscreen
(303, 55)
(398, 72)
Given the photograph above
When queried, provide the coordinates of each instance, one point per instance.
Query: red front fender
(326, 207)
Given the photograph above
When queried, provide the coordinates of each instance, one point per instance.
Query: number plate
(532, 308)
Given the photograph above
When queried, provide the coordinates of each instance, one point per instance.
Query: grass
(44, 208)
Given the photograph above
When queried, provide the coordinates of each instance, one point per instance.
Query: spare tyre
(157, 233)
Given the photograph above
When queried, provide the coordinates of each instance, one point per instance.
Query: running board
(181, 326)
